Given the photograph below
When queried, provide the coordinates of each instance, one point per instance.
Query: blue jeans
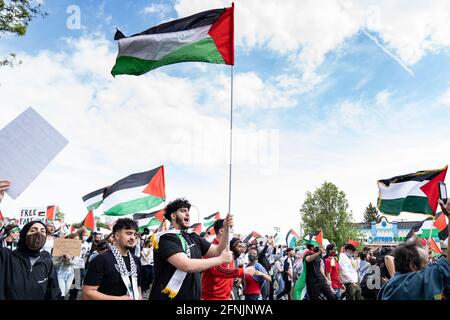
(65, 279)
(338, 293)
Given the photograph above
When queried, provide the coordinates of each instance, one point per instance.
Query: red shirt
(217, 282)
(251, 285)
(334, 272)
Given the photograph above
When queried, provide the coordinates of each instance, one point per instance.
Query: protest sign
(70, 247)
(32, 214)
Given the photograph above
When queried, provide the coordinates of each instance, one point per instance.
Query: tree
(371, 214)
(15, 16)
(327, 209)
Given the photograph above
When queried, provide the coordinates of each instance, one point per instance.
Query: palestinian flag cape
(196, 227)
(204, 37)
(291, 239)
(415, 192)
(94, 199)
(137, 192)
(89, 222)
(315, 240)
(149, 220)
(209, 220)
(251, 237)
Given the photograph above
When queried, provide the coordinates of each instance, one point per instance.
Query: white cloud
(382, 98)
(445, 98)
(160, 9)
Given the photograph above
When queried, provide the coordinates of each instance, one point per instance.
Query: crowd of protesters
(176, 264)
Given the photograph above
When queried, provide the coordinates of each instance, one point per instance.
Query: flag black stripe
(93, 194)
(132, 181)
(197, 20)
(418, 176)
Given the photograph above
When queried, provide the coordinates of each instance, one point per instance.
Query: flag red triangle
(89, 222)
(1, 216)
(50, 214)
(159, 215)
(434, 247)
(431, 189)
(156, 186)
(319, 237)
(222, 33)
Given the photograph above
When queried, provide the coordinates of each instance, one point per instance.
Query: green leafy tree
(15, 16)
(371, 214)
(327, 209)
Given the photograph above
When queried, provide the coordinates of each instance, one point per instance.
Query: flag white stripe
(93, 200)
(156, 46)
(402, 190)
(123, 195)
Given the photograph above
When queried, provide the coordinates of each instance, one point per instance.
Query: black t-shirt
(313, 274)
(104, 273)
(170, 244)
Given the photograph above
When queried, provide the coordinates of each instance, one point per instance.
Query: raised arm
(181, 261)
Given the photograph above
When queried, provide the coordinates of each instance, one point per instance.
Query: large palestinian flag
(424, 229)
(209, 220)
(291, 239)
(137, 192)
(94, 199)
(252, 237)
(204, 37)
(315, 240)
(415, 192)
(149, 220)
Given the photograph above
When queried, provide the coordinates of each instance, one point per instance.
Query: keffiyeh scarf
(132, 287)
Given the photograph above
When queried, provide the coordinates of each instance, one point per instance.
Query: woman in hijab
(27, 273)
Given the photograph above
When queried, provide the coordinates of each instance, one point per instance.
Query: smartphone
(443, 191)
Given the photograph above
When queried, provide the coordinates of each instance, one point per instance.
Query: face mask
(349, 254)
(35, 241)
(85, 238)
(252, 258)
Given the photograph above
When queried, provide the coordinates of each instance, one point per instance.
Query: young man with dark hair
(10, 237)
(254, 282)
(316, 284)
(332, 270)
(415, 279)
(116, 273)
(217, 282)
(178, 255)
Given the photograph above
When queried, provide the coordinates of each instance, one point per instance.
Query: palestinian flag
(291, 238)
(415, 192)
(204, 37)
(137, 192)
(94, 199)
(209, 220)
(1, 216)
(149, 220)
(423, 230)
(50, 214)
(315, 240)
(300, 284)
(89, 222)
(251, 237)
(196, 227)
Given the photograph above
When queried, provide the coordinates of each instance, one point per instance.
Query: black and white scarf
(132, 288)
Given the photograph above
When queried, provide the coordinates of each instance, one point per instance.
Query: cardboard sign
(70, 247)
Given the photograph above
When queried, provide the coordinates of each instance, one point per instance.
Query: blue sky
(342, 91)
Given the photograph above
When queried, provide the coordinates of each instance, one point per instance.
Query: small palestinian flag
(415, 192)
(252, 237)
(209, 220)
(196, 227)
(423, 230)
(315, 240)
(89, 222)
(291, 239)
(137, 192)
(149, 220)
(50, 214)
(204, 37)
(94, 199)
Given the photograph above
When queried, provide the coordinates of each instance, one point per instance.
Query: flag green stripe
(208, 224)
(133, 206)
(300, 284)
(409, 204)
(94, 205)
(204, 50)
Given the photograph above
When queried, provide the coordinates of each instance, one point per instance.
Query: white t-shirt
(348, 268)
(48, 246)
